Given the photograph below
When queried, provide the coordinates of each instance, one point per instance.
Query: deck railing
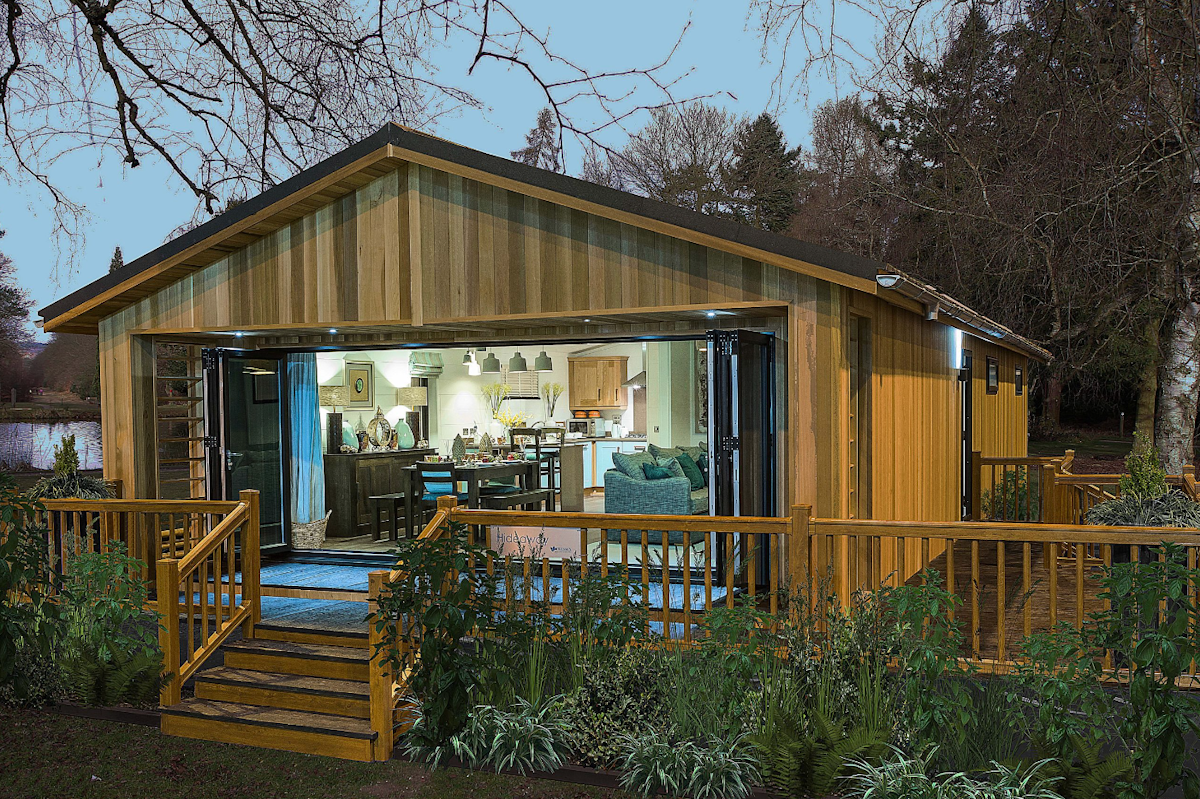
(208, 593)
(150, 529)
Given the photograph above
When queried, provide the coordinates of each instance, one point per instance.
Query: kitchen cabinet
(597, 383)
(588, 465)
(601, 458)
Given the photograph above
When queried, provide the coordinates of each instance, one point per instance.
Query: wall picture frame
(360, 379)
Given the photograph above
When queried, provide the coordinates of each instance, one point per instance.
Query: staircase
(290, 689)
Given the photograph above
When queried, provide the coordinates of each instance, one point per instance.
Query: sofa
(627, 490)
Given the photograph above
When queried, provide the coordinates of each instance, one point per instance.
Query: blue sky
(721, 51)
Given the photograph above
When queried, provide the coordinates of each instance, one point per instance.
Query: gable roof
(394, 145)
(381, 152)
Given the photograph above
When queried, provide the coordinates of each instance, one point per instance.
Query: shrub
(524, 739)
(110, 650)
(42, 680)
(1145, 477)
(29, 622)
(66, 481)
(808, 754)
(626, 691)
(654, 764)
(1173, 509)
(905, 778)
(1013, 499)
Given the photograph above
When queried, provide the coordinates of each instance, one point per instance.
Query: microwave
(583, 427)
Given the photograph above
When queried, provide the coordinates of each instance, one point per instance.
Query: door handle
(229, 457)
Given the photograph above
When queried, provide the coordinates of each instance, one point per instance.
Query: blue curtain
(307, 466)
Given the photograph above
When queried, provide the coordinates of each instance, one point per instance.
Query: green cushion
(630, 464)
(663, 452)
(655, 472)
(672, 466)
(695, 453)
(694, 475)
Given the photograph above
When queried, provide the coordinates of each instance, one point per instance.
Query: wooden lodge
(318, 354)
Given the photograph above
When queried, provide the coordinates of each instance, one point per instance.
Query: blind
(523, 385)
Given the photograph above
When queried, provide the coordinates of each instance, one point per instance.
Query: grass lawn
(45, 755)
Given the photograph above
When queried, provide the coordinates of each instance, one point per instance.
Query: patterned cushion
(655, 472)
(696, 452)
(663, 452)
(694, 475)
(672, 466)
(630, 464)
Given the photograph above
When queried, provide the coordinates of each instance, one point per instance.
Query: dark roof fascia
(441, 149)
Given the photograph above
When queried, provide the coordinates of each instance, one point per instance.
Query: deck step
(307, 635)
(285, 691)
(272, 728)
(309, 660)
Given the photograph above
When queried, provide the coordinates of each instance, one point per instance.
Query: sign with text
(559, 543)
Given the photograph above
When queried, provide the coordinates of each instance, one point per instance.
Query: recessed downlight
(333, 331)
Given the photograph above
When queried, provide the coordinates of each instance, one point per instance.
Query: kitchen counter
(592, 439)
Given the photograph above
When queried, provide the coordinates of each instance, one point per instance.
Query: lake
(24, 444)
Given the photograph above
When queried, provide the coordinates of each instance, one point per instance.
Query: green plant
(901, 777)
(809, 754)
(937, 702)
(1012, 499)
(66, 481)
(1172, 509)
(626, 691)
(525, 739)
(30, 622)
(1145, 478)
(1086, 773)
(110, 650)
(1152, 617)
(654, 764)
(438, 623)
(597, 618)
(42, 680)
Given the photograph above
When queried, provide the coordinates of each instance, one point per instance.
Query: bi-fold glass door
(741, 434)
(245, 434)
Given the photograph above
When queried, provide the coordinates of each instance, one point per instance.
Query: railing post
(447, 504)
(381, 678)
(976, 484)
(251, 562)
(1048, 508)
(1189, 480)
(168, 633)
(799, 546)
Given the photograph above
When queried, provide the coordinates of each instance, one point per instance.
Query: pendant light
(517, 363)
(542, 363)
(490, 365)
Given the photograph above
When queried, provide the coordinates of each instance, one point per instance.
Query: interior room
(595, 427)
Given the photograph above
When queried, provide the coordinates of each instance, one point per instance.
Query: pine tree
(765, 175)
(118, 260)
(541, 144)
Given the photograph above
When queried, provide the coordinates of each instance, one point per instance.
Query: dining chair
(435, 480)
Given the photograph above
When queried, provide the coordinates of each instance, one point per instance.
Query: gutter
(938, 304)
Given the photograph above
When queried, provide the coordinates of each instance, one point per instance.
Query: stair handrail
(190, 574)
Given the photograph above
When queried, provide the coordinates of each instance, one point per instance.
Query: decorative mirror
(379, 430)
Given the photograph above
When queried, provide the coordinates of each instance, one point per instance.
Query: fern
(1087, 774)
(812, 758)
(127, 678)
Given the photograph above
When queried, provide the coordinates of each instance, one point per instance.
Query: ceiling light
(491, 364)
(238, 334)
(473, 367)
(542, 363)
(517, 363)
(333, 331)
(711, 314)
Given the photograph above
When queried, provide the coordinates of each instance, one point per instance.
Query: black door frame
(967, 399)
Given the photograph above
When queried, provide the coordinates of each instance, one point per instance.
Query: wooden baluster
(625, 564)
(1052, 564)
(1001, 601)
(1194, 589)
(729, 553)
(751, 564)
(204, 602)
(547, 597)
(975, 598)
(565, 570)
(708, 570)
(167, 579)
(231, 567)
(604, 553)
(1027, 584)
(1106, 553)
(924, 554)
(189, 582)
(583, 557)
(217, 581)
(508, 583)
(774, 579)
(1079, 611)
(687, 586)
(527, 576)
(380, 678)
(666, 586)
(646, 575)
(950, 587)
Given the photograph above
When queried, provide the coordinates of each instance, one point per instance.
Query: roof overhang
(388, 149)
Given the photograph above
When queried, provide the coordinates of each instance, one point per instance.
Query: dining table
(476, 475)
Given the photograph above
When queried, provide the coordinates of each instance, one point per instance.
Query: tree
(841, 205)
(542, 148)
(118, 260)
(232, 97)
(14, 325)
(682, 157)
(765, 174)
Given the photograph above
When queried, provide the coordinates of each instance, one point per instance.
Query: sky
(721, 54)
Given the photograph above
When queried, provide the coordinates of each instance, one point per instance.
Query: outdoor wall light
(888, 281)
(491, 364)
(517, 363)
(542, 363)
